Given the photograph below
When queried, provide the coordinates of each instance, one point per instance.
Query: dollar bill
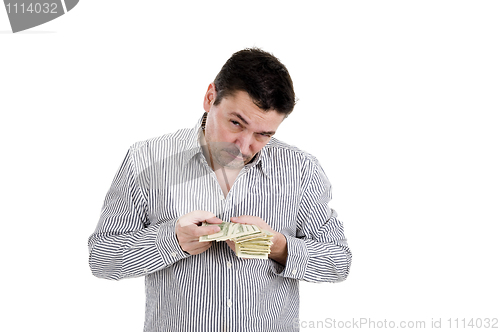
(250, 240)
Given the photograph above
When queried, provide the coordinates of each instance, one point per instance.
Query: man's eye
(234, 122)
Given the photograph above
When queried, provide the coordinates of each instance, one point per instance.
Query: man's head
(250, 97)
(262, 76)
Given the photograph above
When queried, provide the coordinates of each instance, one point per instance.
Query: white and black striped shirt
(162, 179)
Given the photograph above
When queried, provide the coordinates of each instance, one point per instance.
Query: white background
(398, 100)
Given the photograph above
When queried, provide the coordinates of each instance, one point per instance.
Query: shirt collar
(193, 148)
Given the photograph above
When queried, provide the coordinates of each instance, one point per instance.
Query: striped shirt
(162, 179)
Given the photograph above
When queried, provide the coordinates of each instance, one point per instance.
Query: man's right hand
(188, 230)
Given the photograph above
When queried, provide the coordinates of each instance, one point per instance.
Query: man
(227, 168)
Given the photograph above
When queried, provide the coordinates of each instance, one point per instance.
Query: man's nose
(244, 143)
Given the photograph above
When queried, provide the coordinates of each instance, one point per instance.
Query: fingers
(188, 230)
(214, 220)
(252, 220)
(240, 220)
(195, 248)
(231, 245)
(196, 216)
(188, 239)
(205, 230)
(193, 232)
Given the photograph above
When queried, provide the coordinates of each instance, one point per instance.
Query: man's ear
(210, 96)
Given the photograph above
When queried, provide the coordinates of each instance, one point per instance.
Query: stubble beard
(222, 152)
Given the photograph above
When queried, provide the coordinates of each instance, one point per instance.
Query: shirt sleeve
(124, 244)
(319, 251)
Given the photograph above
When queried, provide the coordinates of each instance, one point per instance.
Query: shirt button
(222, 197)
(173, 254)
(228, 265)
(146, 270)
(229, 303)
(294, 271)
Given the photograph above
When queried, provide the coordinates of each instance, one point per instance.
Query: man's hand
(188, 230)
(279, 250)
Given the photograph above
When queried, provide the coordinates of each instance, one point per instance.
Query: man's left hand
(278, 249)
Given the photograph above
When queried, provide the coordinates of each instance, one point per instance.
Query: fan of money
(250, 241)
(26, 14)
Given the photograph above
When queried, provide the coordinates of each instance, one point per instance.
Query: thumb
(194, 217)
(213, 229)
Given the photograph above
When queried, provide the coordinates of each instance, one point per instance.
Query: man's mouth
(235, 156)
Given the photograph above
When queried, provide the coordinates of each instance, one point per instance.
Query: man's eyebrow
(245, 122)
(239, 116)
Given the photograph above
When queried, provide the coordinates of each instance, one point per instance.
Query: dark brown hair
(261, 75)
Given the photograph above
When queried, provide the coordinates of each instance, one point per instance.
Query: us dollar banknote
(250, 241)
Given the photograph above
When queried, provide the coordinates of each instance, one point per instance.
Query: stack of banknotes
(250, 241)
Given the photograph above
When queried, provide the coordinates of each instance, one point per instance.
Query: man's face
(237, 129)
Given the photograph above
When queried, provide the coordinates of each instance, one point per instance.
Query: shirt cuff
(296, 261)
(167, 244)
